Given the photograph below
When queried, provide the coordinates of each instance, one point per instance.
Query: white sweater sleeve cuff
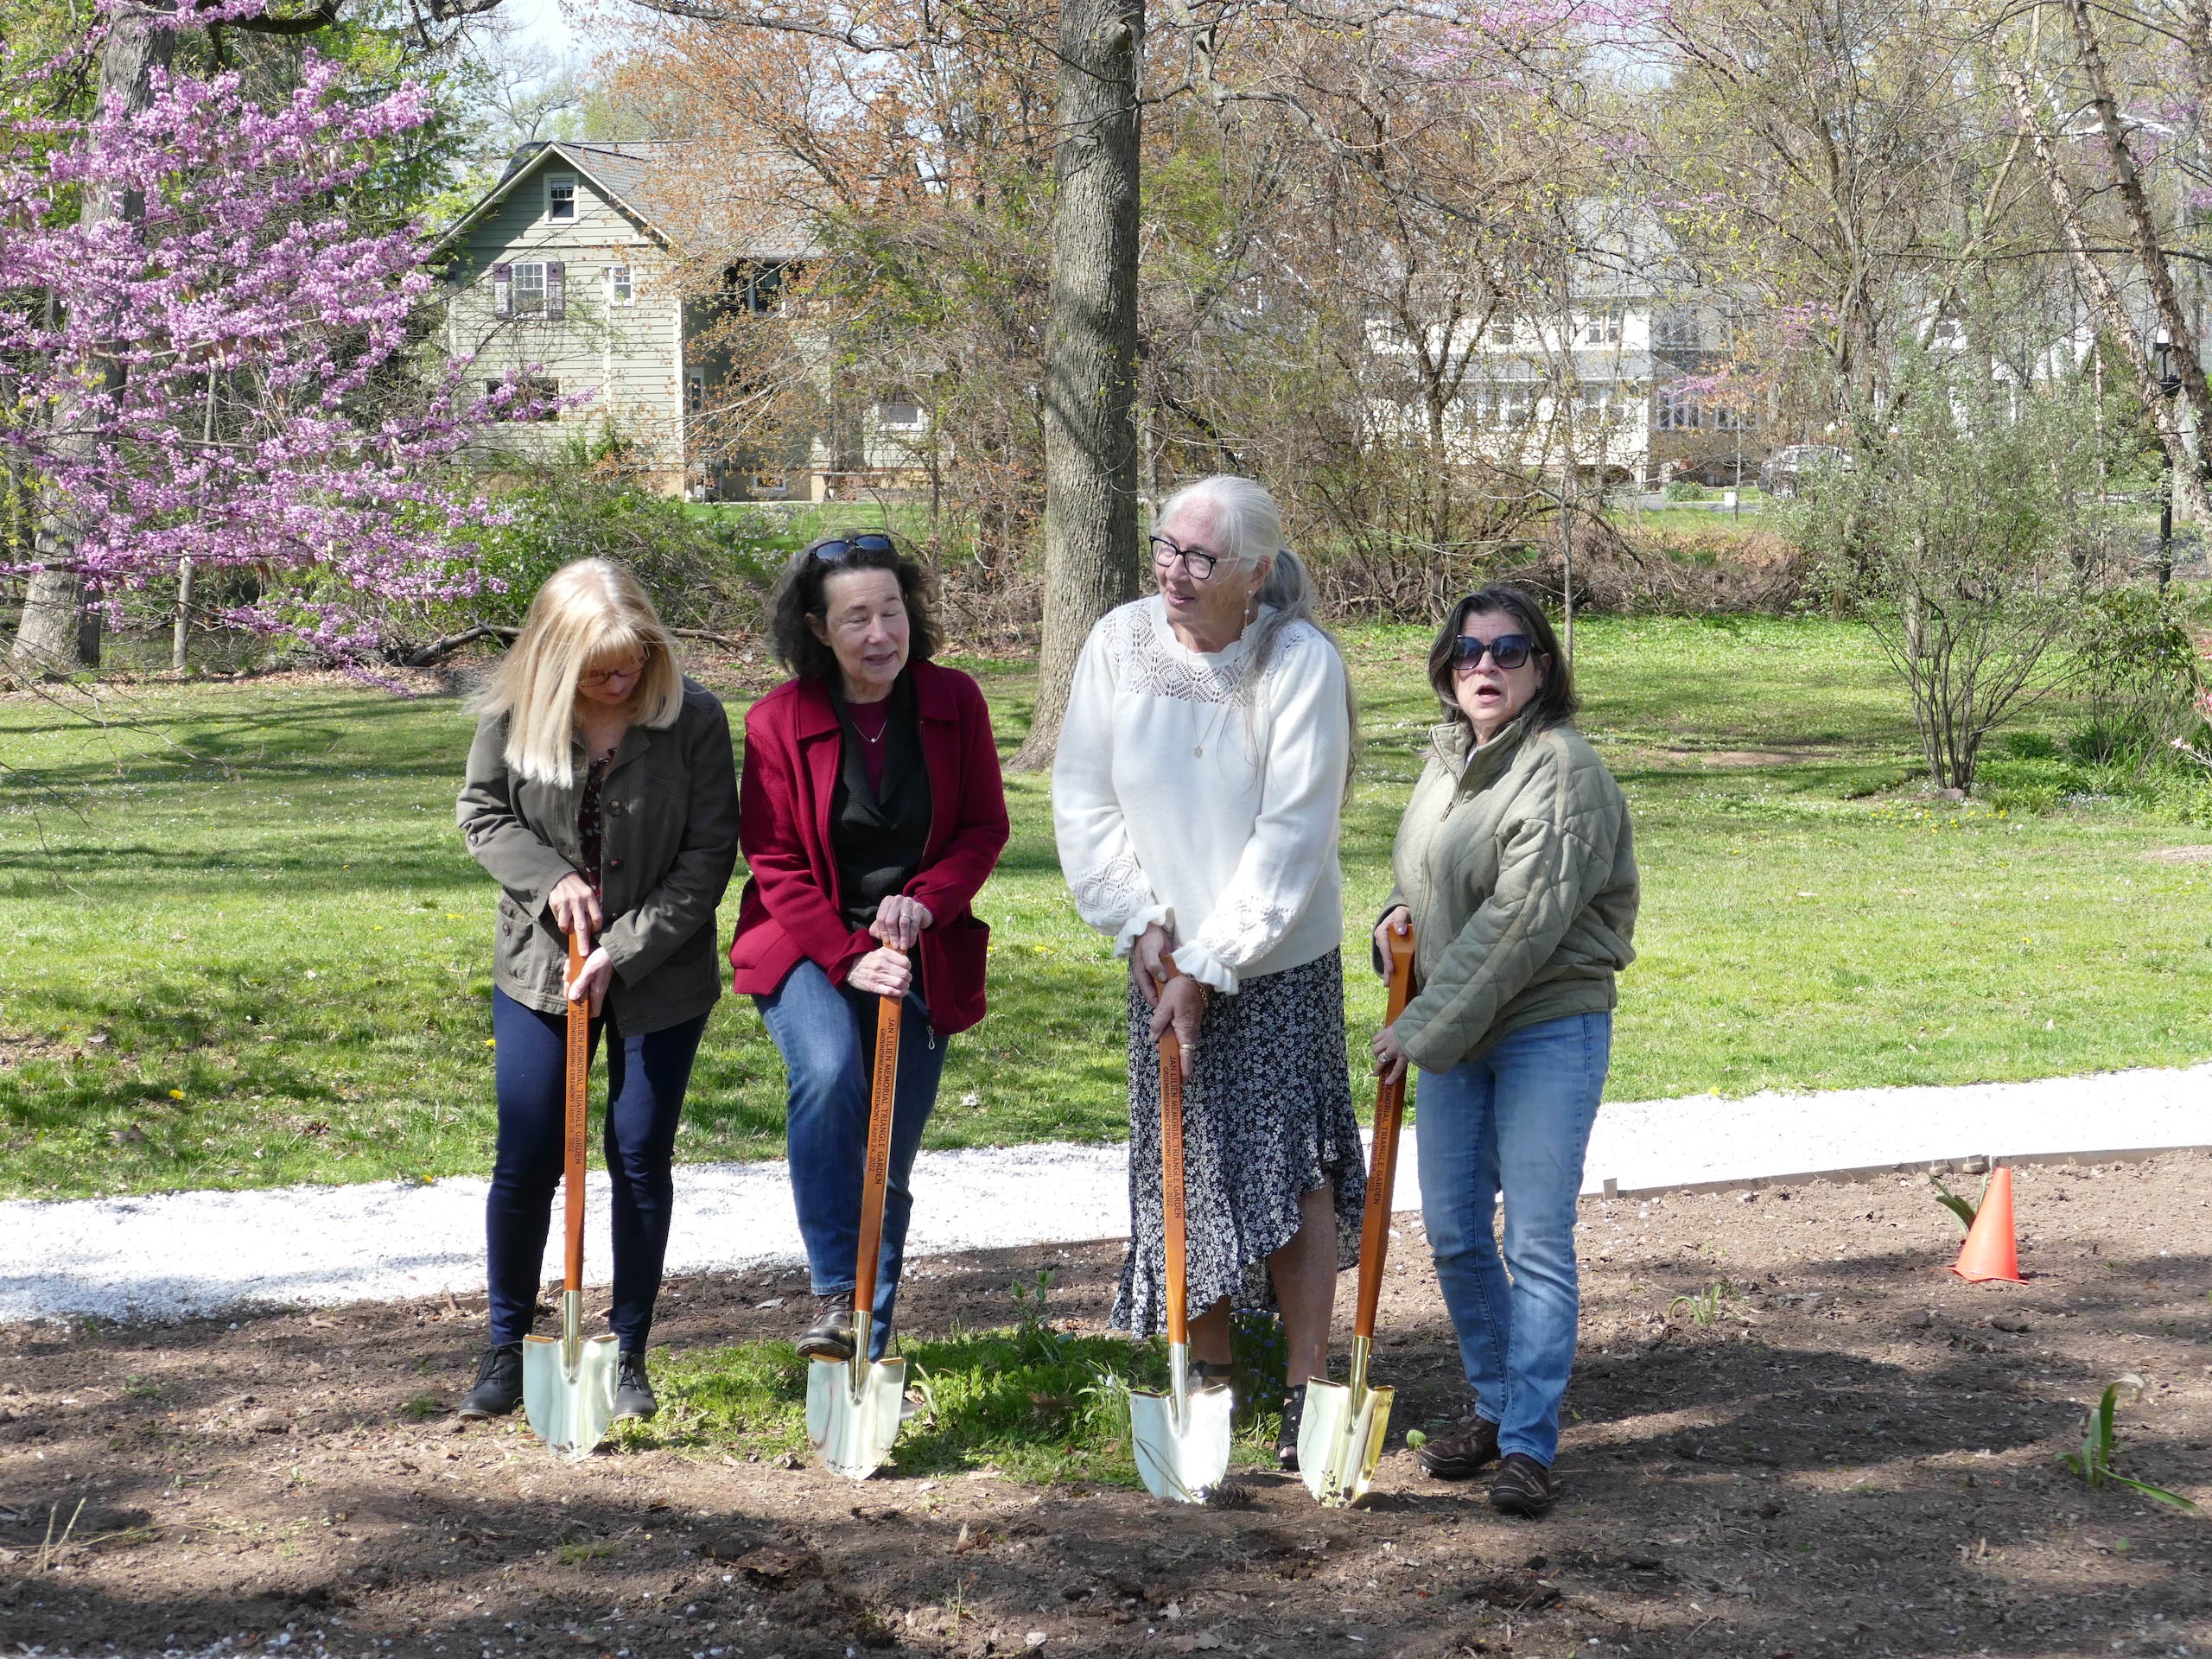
(1126, 939)
(1206, 968)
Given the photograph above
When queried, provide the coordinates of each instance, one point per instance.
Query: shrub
(1967, 537)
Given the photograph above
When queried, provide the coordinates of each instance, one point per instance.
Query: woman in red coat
(871, 810)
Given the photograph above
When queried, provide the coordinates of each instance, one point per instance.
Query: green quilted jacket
(1519, 867)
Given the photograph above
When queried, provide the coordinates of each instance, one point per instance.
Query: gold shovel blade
(569, 1412)
(1340, 1441)
(853, 1430)
(1181, 1456)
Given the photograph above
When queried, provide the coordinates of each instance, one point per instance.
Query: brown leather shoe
(1461, 1456)
(1523, 1487)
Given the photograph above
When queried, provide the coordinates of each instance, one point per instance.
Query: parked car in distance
(1781, 473)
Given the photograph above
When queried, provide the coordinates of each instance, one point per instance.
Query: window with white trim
(1679, 328)
(895, 415)
(1602, 327)
(529, 289)
(538, 397)
(559, 196)
(1500, 404)
(618, 289)
(1679, 414)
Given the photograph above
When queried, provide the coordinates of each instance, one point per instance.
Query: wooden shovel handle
(883, 1098)
(572, 1166)
(1382, 1174)
(1171, 1170)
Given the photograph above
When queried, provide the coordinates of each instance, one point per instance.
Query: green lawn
(243, 945)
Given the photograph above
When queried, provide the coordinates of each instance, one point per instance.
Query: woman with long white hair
(1197, 798)
(601, 795)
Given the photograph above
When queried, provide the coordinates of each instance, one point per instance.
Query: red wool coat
(793, 747)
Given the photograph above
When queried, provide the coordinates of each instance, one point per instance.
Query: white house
(1618, 373)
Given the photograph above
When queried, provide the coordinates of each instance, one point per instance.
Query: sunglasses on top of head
(836, 547)
(1508, 650)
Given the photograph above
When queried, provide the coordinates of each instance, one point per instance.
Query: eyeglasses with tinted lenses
(620, 671)
(1196, 560)
(1508, 650)
(838, 546)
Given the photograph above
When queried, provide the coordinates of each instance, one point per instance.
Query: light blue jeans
(826, 1036)
(1516, 1121)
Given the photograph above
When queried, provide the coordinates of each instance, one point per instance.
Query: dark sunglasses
(1508, 650)
(838, 546)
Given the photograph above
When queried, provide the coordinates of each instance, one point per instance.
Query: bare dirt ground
(1858, 1455)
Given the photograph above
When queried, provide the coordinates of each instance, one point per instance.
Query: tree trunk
(57, 632)
(2150, 252)
(2112, 306)
(1091, 437)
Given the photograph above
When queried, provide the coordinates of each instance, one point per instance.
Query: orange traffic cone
(1989, 1252)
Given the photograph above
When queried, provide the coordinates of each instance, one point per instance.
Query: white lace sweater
(1176, 803)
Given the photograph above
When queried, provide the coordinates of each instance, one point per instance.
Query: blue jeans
(645, 1079)
(1518, 1121)
(827, 1035)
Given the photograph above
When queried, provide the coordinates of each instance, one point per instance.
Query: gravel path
(184, 1254)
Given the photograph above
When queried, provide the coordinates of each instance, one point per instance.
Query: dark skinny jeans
(646, 1080)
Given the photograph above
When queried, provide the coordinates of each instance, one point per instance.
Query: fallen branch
(727, 642)
(438, 648)
(453, 642)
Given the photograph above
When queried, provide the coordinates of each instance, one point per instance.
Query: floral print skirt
(1266, 1117)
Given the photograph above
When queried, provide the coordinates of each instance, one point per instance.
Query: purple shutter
(556, 303)
(502, 291)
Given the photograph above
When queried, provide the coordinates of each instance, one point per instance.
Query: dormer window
(559, 196)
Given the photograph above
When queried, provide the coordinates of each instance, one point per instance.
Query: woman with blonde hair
(601, 795)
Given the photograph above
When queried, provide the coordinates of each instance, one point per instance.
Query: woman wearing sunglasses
(872, 811)
(1514, 865)
(1196, 797)
(601, 795)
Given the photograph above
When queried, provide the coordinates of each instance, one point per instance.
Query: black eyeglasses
(838, 546)
(1508, 650)
(1196, 560)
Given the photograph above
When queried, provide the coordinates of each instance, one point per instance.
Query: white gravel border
(184, 1255)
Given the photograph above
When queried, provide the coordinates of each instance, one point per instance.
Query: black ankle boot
(633, 1395)
(498, 1387)
(830, 1336)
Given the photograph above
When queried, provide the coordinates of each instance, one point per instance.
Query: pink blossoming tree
(204, 357)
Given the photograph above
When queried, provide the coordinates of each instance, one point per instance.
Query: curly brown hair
(798, 596)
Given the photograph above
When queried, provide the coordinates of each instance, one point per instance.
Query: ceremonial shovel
(1181, 1438)
(568, 1383)
(853, 1405)
(1341, 1439)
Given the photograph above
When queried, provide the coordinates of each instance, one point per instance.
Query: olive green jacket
(1520, 870)
(669, 843)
